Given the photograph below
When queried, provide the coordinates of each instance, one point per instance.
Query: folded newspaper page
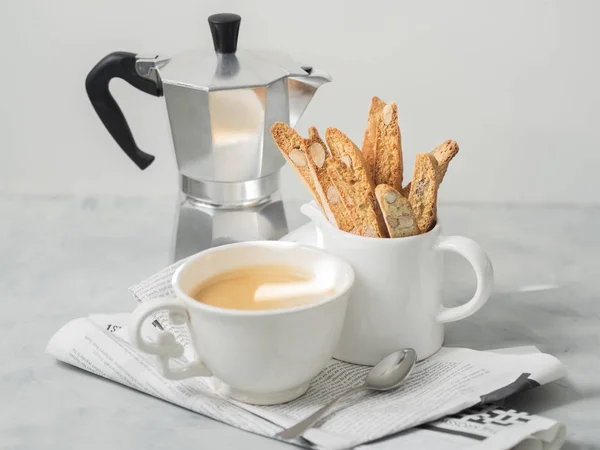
(435, 398)
(481, 427)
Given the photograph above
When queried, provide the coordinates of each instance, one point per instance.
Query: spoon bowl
(391, 371)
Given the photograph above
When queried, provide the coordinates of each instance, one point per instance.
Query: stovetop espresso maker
(221, 105)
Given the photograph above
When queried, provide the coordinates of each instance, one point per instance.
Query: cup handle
(473, 253)
(165, 347)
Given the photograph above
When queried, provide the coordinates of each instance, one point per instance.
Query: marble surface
(66, 257)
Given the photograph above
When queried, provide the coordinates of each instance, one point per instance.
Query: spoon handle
(302, 426)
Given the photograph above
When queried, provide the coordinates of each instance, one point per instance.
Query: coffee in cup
(236, 289)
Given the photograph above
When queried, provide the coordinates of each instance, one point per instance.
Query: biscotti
(355, 191)
(443, 154)
(397, 212)
(291, 145)
(423, 191)
(318, 158)
(388, 151)
(382, 145)
(361, 192)
(345, 151)
(370, 138)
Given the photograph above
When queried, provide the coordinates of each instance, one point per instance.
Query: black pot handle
(119, 65)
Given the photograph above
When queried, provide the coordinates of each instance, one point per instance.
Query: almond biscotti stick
(397, 212)
(290, 144)
(355, 191)
(344, 150)
(318, 158)
(388, 152)
(443, 155)
(423, 191)
(370, 139)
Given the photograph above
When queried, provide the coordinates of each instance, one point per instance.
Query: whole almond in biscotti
(388, 163)
(291, 145)
(443, 154)
(318, 158)
(370, 138)
(313, 134)
(346, 151)
(355, 191)
(397, 212)
(423, 191)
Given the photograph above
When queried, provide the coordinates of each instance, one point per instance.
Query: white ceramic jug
(396, 301)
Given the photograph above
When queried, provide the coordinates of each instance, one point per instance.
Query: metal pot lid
(225, 67)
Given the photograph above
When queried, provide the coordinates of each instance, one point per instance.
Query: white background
(516, 83)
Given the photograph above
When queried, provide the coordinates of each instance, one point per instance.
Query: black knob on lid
(225, 28)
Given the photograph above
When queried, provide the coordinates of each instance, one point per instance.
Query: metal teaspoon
(388, 374)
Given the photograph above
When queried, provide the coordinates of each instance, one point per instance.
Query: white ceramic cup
(259, 357)
(396, 300)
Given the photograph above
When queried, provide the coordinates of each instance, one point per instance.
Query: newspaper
(435, 399)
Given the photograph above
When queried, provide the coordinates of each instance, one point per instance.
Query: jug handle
(119, 65)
